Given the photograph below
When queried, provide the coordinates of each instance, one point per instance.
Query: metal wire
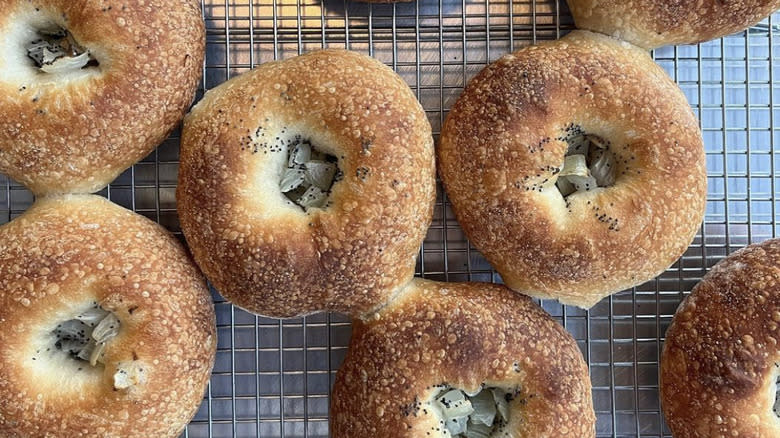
(272, 377)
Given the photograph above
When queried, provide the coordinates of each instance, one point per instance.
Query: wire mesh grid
(272, 377)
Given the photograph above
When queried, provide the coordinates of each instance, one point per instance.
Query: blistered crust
(656, 23)
(501, 150)
(462, 334)
(721, 354)
(80, 249)
(266, 254)
(75, 136)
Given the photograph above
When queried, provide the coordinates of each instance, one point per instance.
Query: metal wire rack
(272, 377)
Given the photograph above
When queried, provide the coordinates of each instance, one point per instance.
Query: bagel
(655, 23)
(308, 185)
(576, 167)
(106, 326)
(721, 361)
(442, 356)
(88, 88)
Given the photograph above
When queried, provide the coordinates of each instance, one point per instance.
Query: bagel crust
(655, 23)
(502, 150)
(464, 335)
(721, 357)
(75, 132)
(66, 253)
(268, 255)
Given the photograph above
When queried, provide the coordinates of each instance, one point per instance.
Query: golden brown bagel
(463, 335)
(721, 359)
(264, 252)
(656, 23)
(74, 130)
(70, 256)
(502, 153)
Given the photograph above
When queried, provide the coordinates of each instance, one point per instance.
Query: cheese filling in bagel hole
(84, 337)
(77, 344)
(589, 162)
(54, 50)
(462, 414)
(37, 47)
(308, 175)
(776, 393)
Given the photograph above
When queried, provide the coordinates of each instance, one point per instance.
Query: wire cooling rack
(272, 377)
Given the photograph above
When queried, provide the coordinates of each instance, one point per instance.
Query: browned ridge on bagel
(655, 23)
(576, 167)
(308, 184)
(444, 356)
(721, 359)
(89, 88)
(107, 328)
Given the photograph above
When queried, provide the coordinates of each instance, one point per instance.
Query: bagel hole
(55, 50)
(462, 414)
(83, 338)
(308, 174)
(588, 164)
